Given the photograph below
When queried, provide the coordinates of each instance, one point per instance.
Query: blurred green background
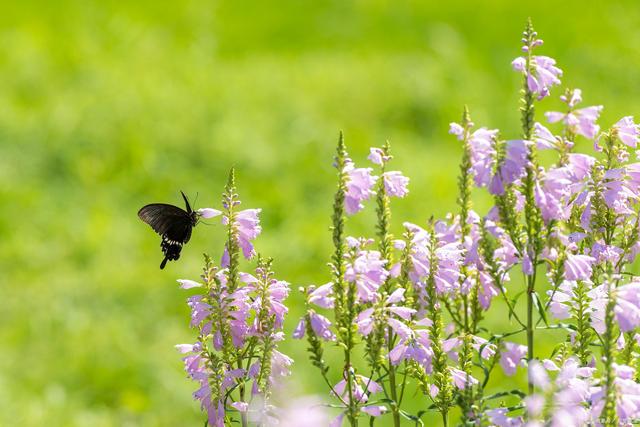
(106, 106)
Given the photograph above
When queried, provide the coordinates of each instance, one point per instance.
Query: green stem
(530, 350)
(384, 218)
(533, 218)
(395, 405)
(243, 415)
(344, 296)
(353, 404)
(352, 410)
(445, 418)
(610, 416)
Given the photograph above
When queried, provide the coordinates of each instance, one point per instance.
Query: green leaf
(505, 393)
(540, 308)
(415, 418)
(514, 300)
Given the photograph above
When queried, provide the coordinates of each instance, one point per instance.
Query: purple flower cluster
(361, 182)
(581, 121)
(553, 254)
(574, 397)
(239, 319)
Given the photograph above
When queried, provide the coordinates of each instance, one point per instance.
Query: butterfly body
(173, 224)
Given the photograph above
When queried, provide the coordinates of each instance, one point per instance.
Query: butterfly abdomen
(171, 250)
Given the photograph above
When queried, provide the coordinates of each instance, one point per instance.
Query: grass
(106, 106)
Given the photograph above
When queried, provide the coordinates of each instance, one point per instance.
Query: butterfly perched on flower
(173, 224)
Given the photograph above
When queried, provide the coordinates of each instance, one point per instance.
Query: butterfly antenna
(186, 202)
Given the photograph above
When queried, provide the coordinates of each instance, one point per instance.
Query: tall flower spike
(540, 72)
(465, 178)
(372, 322)
(232, 249)
(239, 319)
(441, 372)
(348, 193)
(337, 228)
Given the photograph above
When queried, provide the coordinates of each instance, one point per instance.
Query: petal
(188, 284)
(208, 212)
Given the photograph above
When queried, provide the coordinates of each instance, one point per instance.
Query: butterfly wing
(170, 222)
(163, 218)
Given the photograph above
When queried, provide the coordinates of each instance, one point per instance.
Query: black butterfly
(172, 223)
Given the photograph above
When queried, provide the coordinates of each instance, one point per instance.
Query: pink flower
(632, 171)
(208, 212)
(482, 150)
(303, 412)
(606, 253)
(457, 130)
(240, 406)
(362, 387)
(599, 299)
(280, 364)
(627, 396)
(515, 162)
(541, 75)
(534, 404)
(248, 227)
(562, 300)
(366, 322)
(581, 121)
(447, 271)
(627, 308)
(368, 273)
(461, 379)
(300, 330)
(552, 193)
(616, 191)
(321, 327)
(511, 357)
(322, 296)
(484, 347)
(375, 410)
(377, 156)
(196, 367)
(627, 131)
(527, 265)
(395, 184)
(580, 166)
(487, 290)
(275, 293)
(360, 184)
(578, 267)
(556, 194)
(188, 284)
(512, 168)
(498, 417)
(414, 344)
(538, 375)
(544, 139)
